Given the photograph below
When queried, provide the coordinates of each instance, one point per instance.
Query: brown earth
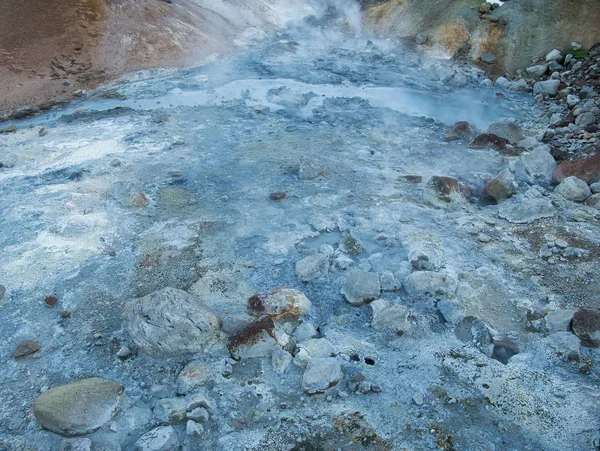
(51, 48)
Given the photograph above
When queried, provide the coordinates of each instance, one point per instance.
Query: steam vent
(299, 225)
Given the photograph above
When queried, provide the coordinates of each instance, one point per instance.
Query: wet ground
(164, 180)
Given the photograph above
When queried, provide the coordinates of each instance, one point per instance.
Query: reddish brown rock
(445, 187)
(586, 325)
(277, 196)
(51, 301)
(26, 348)
(593, 201)
(488, 140)
(282, 303)
(258, 339)
(586, 169)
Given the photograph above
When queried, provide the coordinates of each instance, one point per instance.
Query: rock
(555, 119)
(321, 374)
(75, 444)
(418, 399)
(170, 322)
(520, 86)
(421, 38)
(573, 189)
(537, 70)
(277, 196)
(195, 374)
(554, 67)
(2, 291)
(593, 201)
(160, 115)
(502, 82)
(388, 282)
(586, 169)
(312, 267)
(387, 316)
(317, 347)
(80, 407)
(309, 170)
(595, 187)
(361, 287)
(280, 304)
(501, 187)
(429, 282)
(281, 360)
(199, 399)
(559, 320)
(124, 352)
(452, 310)
(489, 58)
(162, 438)
(573, 100)
(51, 301)
(10, 129)
(586, 325)
(576, 45)
(549, 87)
(487, 140)
(446, 188)
(462, 130)
(539, 163)
(193, 429)
(26, 348)
(508, 130)
(350, 245)
(554, 55)
(586, 118)
(305, 331)
(529, 211)
(170, 410)
(199, 415)
(258, 339)
(565, 344)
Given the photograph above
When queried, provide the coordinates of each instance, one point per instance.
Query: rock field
(326, 242)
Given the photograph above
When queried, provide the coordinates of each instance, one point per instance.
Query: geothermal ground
(426, 323)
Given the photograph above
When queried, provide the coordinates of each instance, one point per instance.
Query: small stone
(573, 100)
(565, 344)
(258, 339)
(421, 38)
(2, 291)
(483, 238)
(317, 347)
(429, 282)
(388, 282)
(554, 55)
(281, 360)
(305, 331)
(593, 201)
(115, 163)
(124, 352)
(418, 399)
(489, 58)
(539, 163)
(446, 188)
(501, 187)
(559, 320)
(169, 409)
(199, 415)
(10, 129)
(140, 200)
(281, 303)
(586, 325)
(321, 374)
(452, 310)
(576, 45)
(195, 374)
(502, 82)
(51, 301)
(562, 244)
(549, 87)
(162, 438)
(312, 267)
(350, 245)
(387, 316)
(80, 407)
(573, 189)
(26, 348)
(537, 70)
(595, 187)
(199, 399)
(277, 196)
(508, 130)
(361, 287)
(584, 119)
(309, 170)
(194, 430)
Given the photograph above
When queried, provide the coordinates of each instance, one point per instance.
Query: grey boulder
(508, 130)
(321, 374)
(80, 407)
(573, 189)
(361, 287)
(549, 87)
(539, 164)
(170, 323)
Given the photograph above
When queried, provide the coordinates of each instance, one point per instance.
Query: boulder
(162, 438)
(527, 212)
(559, 320)
(565, 344)
(488, 140)
(361, 287)
(429, 282)
(548, 87)
(586, 169)
(586, 325)
(80, 407)
(573, 189)
(452, 310)
(258, 339)
(170, 323)
(321, 374)
(501, 187)
(539, 164)
(280, 304)
(537, 70)
(586, 118)
(508, 130)
(388, 316)
(312, 267)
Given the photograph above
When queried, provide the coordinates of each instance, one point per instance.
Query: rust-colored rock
(258, 339)
(586, 325)
(445, 187)
(489, 140)
(26, 348)
(586, 169)
(51, 301)
(282, 303)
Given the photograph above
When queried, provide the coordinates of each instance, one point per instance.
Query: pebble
(26, 348)
(124, 352)
(418, 399)
(321, 374)
(162, 438)
(50, 301)
(277, 196)
(361, 287)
